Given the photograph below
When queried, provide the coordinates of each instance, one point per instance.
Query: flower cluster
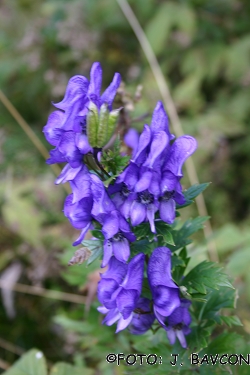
(79, 128)
(151, 182)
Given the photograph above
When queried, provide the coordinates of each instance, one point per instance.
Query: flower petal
(77, 87)
(116, 270)
(160, 120)
(123, 323)
(167, 211)
(102, 203)
(56, 157)
(142, 322)
(53, 129)
(107, 252)
(83, 234)
(137, 213)
(126, 302)
(144, 181)
(144, 141)
(134, 277)
(181, 338)
(110, 92)
(94, 88)
(67, 174)
(158, 145)
(151, 209)
(131, 139)
(166, 299)
(130, 175)
(82, 143)
(110, 224)
(112, 317)
(68, 148)
(181, 149)
(159, 268)
(171, 334)
(121, 250)
(106, 287)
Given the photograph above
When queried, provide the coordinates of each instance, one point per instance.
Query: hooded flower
(171, 191)
(143, 317)
(164, 291)
(66, 127)
(119, 290)
(79, 179)
(79, 215)
(117, 236)
(178, 323)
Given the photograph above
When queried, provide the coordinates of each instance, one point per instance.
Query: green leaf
(97, 234)
(73, 325)
(198, 338)
(206, 275)
(143, 230)
(176, 261)
(231, 320)
(217, 300)
(113, 161)
(31, 363)
(62, 368)
(141, 246)
(96, 248)
(179, 269)
(192, 193)
(224, 343)
(163, 230)
(190, 226)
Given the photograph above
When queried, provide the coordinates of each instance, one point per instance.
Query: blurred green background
(203, 47)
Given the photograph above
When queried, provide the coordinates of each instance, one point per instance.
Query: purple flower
(119, 290)
(79, 215)
(143, 317)
(164, 291)
(178, 323)
(117, 236)
(66, 128)
(143, 209)
(122, 198)
(79, 179)
(102, 203)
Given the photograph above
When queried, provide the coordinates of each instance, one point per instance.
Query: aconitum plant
(130, 202)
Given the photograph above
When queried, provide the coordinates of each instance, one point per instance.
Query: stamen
(145, 197)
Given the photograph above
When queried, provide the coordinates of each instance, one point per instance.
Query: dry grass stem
(30, 134)
(38, 291)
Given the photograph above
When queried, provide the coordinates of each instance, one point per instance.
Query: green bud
(113, 116)
(92, 124)
(103, 126)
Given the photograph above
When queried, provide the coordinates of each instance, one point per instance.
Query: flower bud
(113, 116)
(100, 124)
(103, 125)
(92, 124)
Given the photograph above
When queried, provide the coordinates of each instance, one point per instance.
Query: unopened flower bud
(103, 125)
(92, 124)
(113, 116)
